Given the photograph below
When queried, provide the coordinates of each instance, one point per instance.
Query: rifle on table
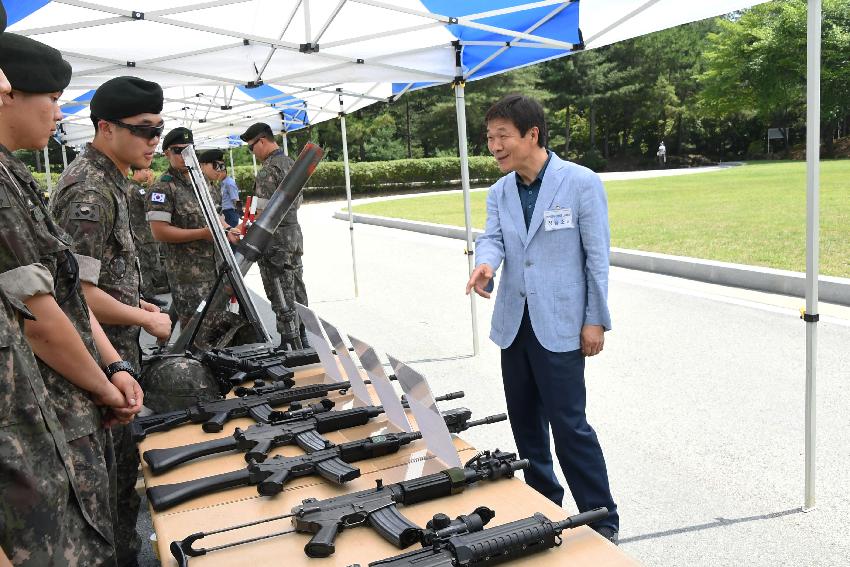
(466, 542)
(330, 462)
(375, 507)
(258, 405)
(304, 428)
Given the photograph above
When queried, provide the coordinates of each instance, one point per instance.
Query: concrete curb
(782, 282)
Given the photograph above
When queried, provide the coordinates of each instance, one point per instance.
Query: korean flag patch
(157, 197)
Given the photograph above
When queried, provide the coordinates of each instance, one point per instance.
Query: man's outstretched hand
(479, 279)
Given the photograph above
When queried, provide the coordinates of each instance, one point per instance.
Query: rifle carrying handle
(394, 527)
(322, 544)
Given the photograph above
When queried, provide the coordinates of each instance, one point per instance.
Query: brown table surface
(510, 499)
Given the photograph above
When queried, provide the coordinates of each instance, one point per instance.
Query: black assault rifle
(258, 403)
(303, 428)
(466, 542)
(375, 507)
(331, 462)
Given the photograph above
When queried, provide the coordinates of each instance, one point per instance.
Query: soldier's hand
(108, 395)
(149, 306)
(479, 279)
(157, 323)
(132, 397)
(232, 237)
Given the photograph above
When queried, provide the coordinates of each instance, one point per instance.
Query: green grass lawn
(753, 214)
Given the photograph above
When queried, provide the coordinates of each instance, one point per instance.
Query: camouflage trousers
(127, 541)
(283, 275)
(41, 522)
(187, 297)
(154, 279)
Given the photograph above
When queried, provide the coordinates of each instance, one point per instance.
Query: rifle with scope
(331, 462)
(375, 507)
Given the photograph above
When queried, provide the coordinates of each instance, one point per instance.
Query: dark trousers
(231, 217)
(544, 388)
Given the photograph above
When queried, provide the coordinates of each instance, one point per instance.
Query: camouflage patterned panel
(30, 244)
(187, 298)
(282, 263)
(127, 541)
(186, 262)
(90, 203)
(275, 168)
(175, 383)
(38, 503)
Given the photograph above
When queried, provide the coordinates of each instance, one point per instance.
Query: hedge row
(367, 177)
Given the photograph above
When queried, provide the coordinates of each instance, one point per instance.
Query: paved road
(698, 397)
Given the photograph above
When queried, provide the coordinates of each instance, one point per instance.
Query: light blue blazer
(563, 274)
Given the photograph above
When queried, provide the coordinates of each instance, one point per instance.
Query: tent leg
(813, 62)
(460, 108)
(232, 170)
(254, 158)
(47, 171)
(348, 198)
(64, 157)
(285, 144)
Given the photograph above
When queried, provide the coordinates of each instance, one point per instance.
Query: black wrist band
(119, 366)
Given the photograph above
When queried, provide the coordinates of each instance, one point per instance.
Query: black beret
(179, 135)
(255, 130)
(31, 66)
(211, 156)
(126, 96)
(2, 17)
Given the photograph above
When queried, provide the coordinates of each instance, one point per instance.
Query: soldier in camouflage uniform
(154, 279)
(38, 270)
(176, 220)
(90, 203)
(280, 266)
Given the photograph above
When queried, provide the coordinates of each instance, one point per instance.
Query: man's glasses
(218, 166)
(252, 144)
(142, 131)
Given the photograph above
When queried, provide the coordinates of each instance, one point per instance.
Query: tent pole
(348, 194)
(64, 157)
(254, 159)
(285, 143)
(460, 109)
(47, 171)
(230, 151)
(813, 62)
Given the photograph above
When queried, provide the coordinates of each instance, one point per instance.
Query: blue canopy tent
(342, 55)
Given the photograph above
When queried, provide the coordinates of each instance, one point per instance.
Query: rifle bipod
(182, 550)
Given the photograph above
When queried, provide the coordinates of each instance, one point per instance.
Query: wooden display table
(510, 499)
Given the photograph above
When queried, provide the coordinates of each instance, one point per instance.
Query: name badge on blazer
(558, 219)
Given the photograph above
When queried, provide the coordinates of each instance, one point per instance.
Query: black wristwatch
(121, 365)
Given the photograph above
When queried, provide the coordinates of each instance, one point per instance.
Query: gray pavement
(698, 397)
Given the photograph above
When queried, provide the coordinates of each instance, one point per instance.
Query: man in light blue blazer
(547, 227)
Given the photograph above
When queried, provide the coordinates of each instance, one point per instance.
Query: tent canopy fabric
(227, 63)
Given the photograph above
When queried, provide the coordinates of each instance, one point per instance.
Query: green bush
(40, 178)
(593, 159)
(367, 177)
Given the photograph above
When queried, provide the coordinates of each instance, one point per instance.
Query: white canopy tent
(334, 56)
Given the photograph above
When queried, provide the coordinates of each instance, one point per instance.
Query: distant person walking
(662, 154)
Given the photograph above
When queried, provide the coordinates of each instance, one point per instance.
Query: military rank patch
(157, 197)
(85, 211)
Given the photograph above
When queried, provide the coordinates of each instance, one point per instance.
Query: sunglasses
(252, 144)
(218, 166)
(142, 131)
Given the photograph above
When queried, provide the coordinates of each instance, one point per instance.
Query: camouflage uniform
(280, 266)
(34, 259)
(191, 266)
(154, 279)
(90, 203)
